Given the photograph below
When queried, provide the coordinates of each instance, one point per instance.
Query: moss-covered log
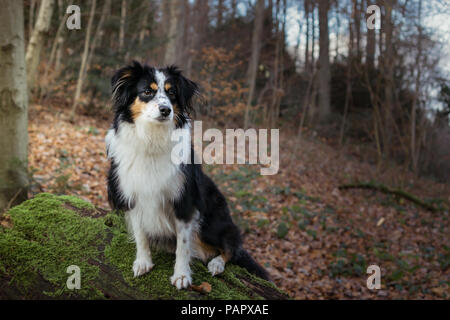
(42, 237)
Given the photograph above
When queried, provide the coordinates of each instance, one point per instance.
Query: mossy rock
(43, 236)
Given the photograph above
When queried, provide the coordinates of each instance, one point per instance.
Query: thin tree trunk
(307, 14)
(357, 26)
(313, 38)
(31, 18)
(170, 56)
(348, 91)
(13, 105)
(220, 13)
(97, 35)
(233, 8)
(414, 154)
(83, 59)
(123, 16)
(60, 41)
(44, 84)
(389, 78)
(272, 109)
(370, 45)
(338, 27)
(144, 23)
(254, 60)
(297, 46)
(34, 48)
(184, 35)
(324, 63)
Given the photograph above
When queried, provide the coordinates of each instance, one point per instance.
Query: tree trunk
(307, 11)
(144, 23)
(370, 45)
(53, 55)
(220, 13)
(313, 35)
(34, 48)
(123, 16)
(171, 53)
(348, 86)
(324, 63)
(70, 232)
(233, 8)
(31, 18)
(97, 35)
(60, 44)
(170, 56)
(414, 150)
(13, 105)
(388, 61)
(338, 28)
(254, 60)
(357, 24)
(83, 59)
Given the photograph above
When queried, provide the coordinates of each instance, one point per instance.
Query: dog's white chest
(149, 180)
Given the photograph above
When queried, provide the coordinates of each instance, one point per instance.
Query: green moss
(45, 239)
(49, 233)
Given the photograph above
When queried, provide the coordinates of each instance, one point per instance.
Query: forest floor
(315, 240)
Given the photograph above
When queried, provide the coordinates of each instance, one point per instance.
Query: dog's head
(152, 96)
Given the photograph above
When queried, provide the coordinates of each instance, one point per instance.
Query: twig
(10, 202)
(384, 189)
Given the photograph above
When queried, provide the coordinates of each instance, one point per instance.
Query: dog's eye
(148, 92)
(171, 92)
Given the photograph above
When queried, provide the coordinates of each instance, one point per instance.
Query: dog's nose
(164, 110)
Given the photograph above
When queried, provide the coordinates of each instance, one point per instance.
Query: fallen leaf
(204, 287)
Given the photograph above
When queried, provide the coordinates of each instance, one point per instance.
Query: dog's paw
(216, 265)
(181, 280)
(142, 266)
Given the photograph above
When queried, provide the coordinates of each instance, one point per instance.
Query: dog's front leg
(182, 274)
(143, 262)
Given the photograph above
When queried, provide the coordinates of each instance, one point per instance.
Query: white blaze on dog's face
(155, 100)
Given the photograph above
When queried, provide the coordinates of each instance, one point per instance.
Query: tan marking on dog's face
(154, 86)
(127, 74)
(167, 86)
(137, 108)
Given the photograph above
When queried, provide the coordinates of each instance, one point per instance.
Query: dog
(169, 205)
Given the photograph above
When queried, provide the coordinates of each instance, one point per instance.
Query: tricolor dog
(174, 206)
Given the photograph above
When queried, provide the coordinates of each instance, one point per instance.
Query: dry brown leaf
(204, 287)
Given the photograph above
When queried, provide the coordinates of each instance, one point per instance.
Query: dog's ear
(124, 82)
(186, 88)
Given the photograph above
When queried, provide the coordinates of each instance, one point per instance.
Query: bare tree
(307, 6)
(170, 56)
(388, 70)
(220, 8)
(414, 150)
(84, 59)
(370, 45)
(233, 8)
(357, 27)
(254, 60)
(123, 16)
(35, 44)
(13, 105)
(324, 62)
